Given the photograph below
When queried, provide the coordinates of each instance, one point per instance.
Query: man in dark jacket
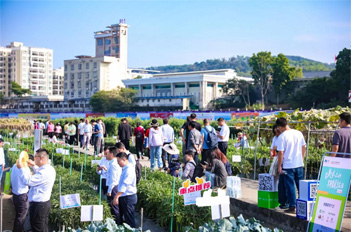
(125, 132)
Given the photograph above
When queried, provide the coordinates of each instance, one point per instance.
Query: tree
(18, 90)
(116, 100)
(242, 88)
(261, 65)
(282, 74)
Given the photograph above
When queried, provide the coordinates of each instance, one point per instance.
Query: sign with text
(332, 194)
(201, 185)
(69, 201)
(162, 115)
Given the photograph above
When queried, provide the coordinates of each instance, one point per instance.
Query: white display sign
(38, 137)
(12, 149)
(236, 158)
(91, 213)
(69, 201)
(59, 150)
(95, 162)
(65, 152)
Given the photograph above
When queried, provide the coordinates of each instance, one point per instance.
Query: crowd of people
(204, 150)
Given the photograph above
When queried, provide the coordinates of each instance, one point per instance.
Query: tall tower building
(30, 67)
(113, 42)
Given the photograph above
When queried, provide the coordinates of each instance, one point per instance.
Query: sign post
(334, 185)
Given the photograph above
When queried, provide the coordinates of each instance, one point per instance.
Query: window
(72, 75)
(95, 74)
(209, 85)
(220, 86)
(107, 51)
(95, 65)
(116, 49)
(179, 86)
(80, 75)
(72, 94)
(72, 66)
(87, 75)
(116, 40)
(163, 86)
(100, 42)
(107, 41)
(147, 87)
(87, 66)
(79, 66)
(194, 85)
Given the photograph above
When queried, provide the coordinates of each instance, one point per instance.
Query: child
(174, 160)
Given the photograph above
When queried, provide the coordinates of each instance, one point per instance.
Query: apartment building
(57, 81)
(86, 75)
(30, 67)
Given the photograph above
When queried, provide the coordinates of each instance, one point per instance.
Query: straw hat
(171, 149)
(154, 122)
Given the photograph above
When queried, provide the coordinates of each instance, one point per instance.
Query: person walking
(291, 147)
(113, 178)
(97, 134)
(81, 132)
(58, 130)
(88, 130)
(40, 184)
(20, 195)
(223, 136)
(168, 138)
(155, 144)
(51, 129)
(102, 125)
(139, 134)
(342, 137)
(205, 149)
(71, 133)
(125, 132)
(195, 141)
(185, 128)
(126, 198)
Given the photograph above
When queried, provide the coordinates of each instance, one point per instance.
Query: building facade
(30, 67)
(57, 81)
(86, 75)
(113, 42)
(173, 89)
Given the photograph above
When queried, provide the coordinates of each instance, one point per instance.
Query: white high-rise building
(57, 81)
(30, 67)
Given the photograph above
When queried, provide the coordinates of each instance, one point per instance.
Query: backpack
(212, 138)
(138, 169)
(139, 135)
(198, 172)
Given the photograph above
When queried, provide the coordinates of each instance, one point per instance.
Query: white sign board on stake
(90, 213)
(69, 201)
(98, 213)
(236, 158)
(38, 138)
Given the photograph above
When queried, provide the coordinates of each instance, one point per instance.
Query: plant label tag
(236, 158)
(69, 201)
(86, 213)
(98, 213)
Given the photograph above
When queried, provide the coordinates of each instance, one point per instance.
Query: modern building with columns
(178, 89)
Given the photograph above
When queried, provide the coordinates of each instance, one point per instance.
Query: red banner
(161, 115)
(94, 115)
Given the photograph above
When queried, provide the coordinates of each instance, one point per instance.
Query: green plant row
(155, 197)
(70, 183)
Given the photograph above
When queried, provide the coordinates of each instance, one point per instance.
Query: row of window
(100, 41)
(87, 65)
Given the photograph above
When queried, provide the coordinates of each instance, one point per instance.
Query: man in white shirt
(122, 148)
(102, 170)
(81, 132)
(126, 198)
(40, 184)
(20, 196)
(2, 160)
(113, 177)
(88, 130)
(223, 136)
(168, 137)
(291, 147)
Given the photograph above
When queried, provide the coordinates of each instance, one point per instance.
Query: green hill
(241, 65)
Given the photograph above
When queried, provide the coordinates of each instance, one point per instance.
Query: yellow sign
(35, 116)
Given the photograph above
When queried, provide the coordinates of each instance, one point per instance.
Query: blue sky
(182, 32)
